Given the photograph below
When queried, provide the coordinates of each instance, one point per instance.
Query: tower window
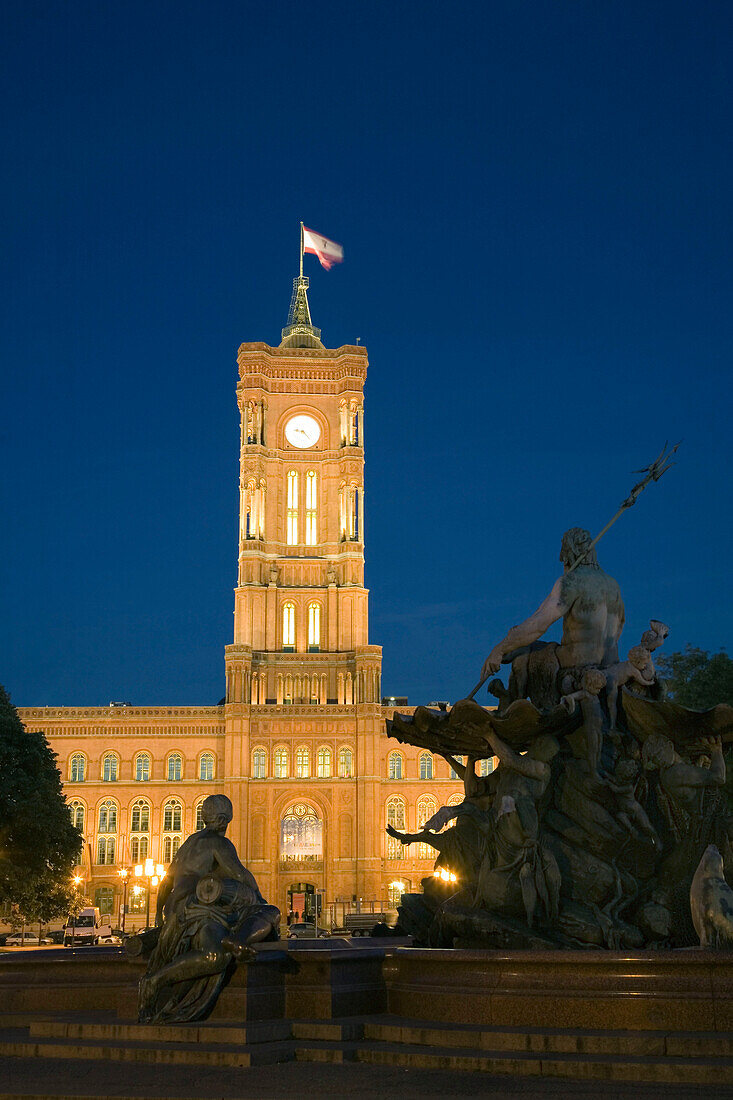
(314, 627)
(259, 764)
(281, 763)
(302, 764)
(292, 518)
(311, 509)
(346, 765)
(324, 763)
(289, 626)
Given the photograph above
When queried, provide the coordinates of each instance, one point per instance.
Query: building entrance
(304, 901)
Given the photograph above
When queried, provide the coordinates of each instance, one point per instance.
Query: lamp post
(77, 880)
(123, 873)
(152, 873)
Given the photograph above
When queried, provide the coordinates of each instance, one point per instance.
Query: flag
(328, 252)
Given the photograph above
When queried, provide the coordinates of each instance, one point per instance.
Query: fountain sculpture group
(606, 796)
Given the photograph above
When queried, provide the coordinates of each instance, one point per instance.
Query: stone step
(201, 1033)
(328, 1030)
(171, 1053)
(643, 1068)
(690, 1044)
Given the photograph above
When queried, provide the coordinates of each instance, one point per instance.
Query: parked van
(86, 928)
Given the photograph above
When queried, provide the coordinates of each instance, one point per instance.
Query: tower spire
(300, 332)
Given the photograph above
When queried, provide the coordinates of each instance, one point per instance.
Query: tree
(697, 680)
(39, 846)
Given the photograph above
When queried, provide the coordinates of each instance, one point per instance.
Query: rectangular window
(292, 516)
(311, 509)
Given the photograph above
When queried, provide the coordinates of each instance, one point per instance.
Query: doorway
(304, 901)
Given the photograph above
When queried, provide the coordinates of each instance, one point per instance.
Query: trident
(652, 472)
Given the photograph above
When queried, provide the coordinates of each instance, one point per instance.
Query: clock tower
(303, 686)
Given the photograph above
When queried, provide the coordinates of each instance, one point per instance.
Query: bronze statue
(570, 842)
(209, 912)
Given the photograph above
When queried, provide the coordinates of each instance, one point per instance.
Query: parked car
(305, 931)
(16, 939)
(113, 940)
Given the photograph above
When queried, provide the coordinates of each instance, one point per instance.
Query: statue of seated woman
(210, 911)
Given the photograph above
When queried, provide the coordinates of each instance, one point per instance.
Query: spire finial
(300, 332)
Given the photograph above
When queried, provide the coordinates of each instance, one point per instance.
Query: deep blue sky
(535, 202)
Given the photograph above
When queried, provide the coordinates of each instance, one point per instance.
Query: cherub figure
(638, 667)
(630, 811)
(655, 636)
(591, 683)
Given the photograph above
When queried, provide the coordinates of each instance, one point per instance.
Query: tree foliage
(39, 846)
(695, 679)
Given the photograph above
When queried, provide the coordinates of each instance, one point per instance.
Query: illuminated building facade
(299, 742)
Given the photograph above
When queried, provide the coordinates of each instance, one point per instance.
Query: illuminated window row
(142, 767)
(314, 626)
(111, 847)
(396, 815)
(323, 763)
(426, 770)
(310, 517)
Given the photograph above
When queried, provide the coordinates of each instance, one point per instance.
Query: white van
(86, 928)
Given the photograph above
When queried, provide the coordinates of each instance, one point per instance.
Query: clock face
(302, 431)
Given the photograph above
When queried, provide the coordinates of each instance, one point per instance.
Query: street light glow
(445, 876)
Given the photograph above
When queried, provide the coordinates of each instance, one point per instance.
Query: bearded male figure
(590, 605)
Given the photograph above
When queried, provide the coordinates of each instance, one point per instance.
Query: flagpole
(301, 250)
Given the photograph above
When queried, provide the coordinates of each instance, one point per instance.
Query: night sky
(535, 204)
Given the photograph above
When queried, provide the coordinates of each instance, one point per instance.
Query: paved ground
(81, 1079)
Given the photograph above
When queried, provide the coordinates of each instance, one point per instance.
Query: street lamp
(153, 873)
(123, 873)
(77, 881)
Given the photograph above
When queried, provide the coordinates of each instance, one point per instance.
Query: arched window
(206, 766)
(139, 848)
(108, 817)
(250, 521)
(140, 817)
(289, 626)
(259, 764)
(314, 627)
(301, 835)
(453, 773)
(302, 763)
(343, 496)
(106, 849)
(455, 800)
(346, 763)
(142, 767)
(426, 765)
(172, 815)
(324, 763)
(311, 509)
(395, 818)
(355, 425)
(175, 767)
(199, 816)
(395, 765)
(104, 897)
(426, 807)
(353, 513)
(171, 844)
(76, 810)
(486, 766)
(109, 767)
(172, 824)
(139, 831)
(77, 767)
(292, 519)
(395, 890)
(281, 763)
